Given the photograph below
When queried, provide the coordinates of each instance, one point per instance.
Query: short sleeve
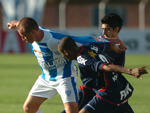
(88, 62)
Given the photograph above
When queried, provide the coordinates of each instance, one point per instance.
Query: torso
(90, 61)
(53, 65)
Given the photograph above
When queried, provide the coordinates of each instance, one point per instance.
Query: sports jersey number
(103, 58)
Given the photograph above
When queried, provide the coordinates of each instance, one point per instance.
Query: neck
(40, 35)
(76, 52)
(115, 35)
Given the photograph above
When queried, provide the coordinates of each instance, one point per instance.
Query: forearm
(136, 72)
(117, 69)
(118, 49)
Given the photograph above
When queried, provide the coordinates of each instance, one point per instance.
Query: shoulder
(47, 35)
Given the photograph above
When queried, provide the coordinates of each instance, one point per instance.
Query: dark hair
(67, 43)
(27, 24)
(113, 20)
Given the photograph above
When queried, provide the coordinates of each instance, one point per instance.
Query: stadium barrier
(137, 40)
(11, 42)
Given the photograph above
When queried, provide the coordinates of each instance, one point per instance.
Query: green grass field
(18, 72)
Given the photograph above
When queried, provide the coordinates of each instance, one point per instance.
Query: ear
(117, 29)
(66, 52)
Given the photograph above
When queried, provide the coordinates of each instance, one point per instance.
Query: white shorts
(67, 88)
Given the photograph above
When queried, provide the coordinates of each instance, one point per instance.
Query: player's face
(108, 32)
(28, 37)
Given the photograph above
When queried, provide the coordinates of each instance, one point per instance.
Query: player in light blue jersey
(58, 74)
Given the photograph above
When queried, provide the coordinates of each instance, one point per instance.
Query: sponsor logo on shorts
(68, 92)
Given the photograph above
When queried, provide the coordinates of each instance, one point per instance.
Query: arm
(13, 24)
(136, 72)
(116, 41)
(117, 49)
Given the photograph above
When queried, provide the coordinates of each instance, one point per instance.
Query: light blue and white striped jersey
(54, 66)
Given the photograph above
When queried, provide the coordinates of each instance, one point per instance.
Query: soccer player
(98, 72)
(58, 74)
(111, 26)
(55, 69)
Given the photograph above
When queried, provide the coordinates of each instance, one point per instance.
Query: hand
(121, 48)
(137, 72)
(118, 49)
(12, 24)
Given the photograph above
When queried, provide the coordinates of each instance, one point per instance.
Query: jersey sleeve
(88, 62)
(51, 41)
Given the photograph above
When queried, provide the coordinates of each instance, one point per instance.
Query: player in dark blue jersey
(87, 93)
(111, 26)
(98, 72)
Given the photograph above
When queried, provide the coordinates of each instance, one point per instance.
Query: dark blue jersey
(112, 87)
(115, 58)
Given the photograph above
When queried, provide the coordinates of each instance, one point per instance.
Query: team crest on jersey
(68, 92)
(91, 53)
(81, 60)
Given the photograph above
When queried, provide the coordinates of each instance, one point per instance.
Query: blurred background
(77, 17)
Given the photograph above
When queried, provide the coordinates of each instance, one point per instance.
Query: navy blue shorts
(97, 105)
(85, 95)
